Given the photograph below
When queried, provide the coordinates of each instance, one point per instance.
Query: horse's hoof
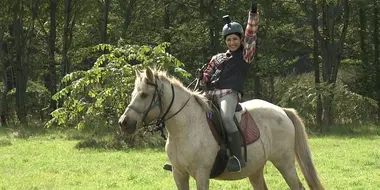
(168, 167)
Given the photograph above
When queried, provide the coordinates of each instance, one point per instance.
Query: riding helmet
(231, 27)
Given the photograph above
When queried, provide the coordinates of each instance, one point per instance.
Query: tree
(104, 21)
(335, 20)
(128, 7)
(288, 37)
(317, 80)
(70, 18)
(100, 95)
(214, 26)
(3, 74)
(20, 65)
(52, 74)
(367, 80)
(376, 59)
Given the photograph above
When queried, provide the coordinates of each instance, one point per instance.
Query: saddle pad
(249, 129)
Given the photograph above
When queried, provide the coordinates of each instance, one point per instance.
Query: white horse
(191, 147)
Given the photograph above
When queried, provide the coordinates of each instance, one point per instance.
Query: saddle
(246, 126)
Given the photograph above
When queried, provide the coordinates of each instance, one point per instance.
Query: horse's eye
(143, 95)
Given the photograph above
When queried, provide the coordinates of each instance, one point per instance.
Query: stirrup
(234, 158)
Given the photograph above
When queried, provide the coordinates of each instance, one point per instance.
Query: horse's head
(145, 104)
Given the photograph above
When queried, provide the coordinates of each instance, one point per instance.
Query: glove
(254, 6)
(199, 74)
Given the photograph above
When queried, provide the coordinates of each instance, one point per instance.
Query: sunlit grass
(50, 161)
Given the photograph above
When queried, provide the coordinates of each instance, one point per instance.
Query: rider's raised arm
(250, 36)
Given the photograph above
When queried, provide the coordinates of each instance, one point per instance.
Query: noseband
(160, 120)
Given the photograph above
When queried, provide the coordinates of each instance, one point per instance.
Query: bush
(94, 99)
(348, 107)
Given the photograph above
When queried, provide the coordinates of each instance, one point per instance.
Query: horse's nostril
(127, 125)
(130, 126)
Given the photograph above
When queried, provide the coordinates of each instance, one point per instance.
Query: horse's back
(261, 104)
(262, 108)
(276, 128)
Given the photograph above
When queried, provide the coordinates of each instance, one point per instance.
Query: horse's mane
(163, 76)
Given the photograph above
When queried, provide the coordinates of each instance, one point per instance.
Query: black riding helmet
(231, 27)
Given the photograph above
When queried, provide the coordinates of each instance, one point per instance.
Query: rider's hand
(254, 6)
(199, 74)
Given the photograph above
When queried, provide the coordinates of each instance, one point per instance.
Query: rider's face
(233, 42)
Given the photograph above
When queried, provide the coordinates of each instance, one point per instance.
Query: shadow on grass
(37, 130)
(98, 137)
(106, 139)
(347, 131)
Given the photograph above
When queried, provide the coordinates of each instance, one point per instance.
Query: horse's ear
(149, 74)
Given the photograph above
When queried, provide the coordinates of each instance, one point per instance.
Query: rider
(225, 76)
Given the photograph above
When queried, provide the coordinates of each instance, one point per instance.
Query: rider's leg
(227, 109)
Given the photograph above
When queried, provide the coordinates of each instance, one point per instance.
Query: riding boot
(236, 161)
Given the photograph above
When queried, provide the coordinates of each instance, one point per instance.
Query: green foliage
(97, 97)
(37, 99)
(285, 34)
(348, 107)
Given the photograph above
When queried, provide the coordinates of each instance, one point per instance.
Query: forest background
(69, 63)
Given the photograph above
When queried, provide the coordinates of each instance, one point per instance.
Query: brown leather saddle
(246, 126)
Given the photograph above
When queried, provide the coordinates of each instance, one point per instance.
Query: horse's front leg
(202, 179)
(181, 179)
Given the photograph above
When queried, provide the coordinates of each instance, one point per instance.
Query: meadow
(347, 159)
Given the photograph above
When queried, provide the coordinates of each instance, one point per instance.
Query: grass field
(50, 161)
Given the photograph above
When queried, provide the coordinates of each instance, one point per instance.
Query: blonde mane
(163, 76)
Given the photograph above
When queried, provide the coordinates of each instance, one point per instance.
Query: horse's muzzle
(127, 125)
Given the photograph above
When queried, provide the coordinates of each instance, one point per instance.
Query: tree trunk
(103, 29)
(363, 33)
(3, 74)
(127, 16)
(52, 75)
(20, 68)
(166, 34)
(202, 9)
(4, 103)
(214, 26)
(65, 68)
(376, 61)
(317, 80)
(271, 89)
(327, 114)
(256, 80)
(332, 44)
(202, 15)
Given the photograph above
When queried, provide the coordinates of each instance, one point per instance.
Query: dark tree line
(42, 41)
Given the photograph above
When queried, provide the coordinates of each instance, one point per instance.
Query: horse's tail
(303, 153)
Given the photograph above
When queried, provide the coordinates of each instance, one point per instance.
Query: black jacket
(231, 73)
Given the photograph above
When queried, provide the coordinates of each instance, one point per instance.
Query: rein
(160, 120)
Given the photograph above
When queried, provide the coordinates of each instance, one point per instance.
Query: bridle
(157, 101)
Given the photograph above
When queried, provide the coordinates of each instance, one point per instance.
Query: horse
(191, 147)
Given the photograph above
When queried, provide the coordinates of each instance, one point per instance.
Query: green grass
(48, 160)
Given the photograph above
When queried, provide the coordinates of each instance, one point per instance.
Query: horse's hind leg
(181, 179)
(257, 180)
(287, 168)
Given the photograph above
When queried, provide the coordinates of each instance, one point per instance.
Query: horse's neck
(185, 121)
